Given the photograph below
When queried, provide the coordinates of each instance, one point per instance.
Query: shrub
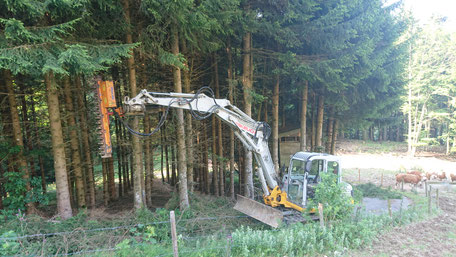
(337, 204)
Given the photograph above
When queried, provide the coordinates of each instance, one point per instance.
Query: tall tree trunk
(111, 180)
(321, 106)
(247, 82)
(28, 133)
(119, 148)
(219, 131)
(166, 156)
(205, 163)
(58, 148)
(188, 122)
(314, 121)
(138, 169)
(215, 181)
(181, 153)
(88, 160)
(17, 135)
(231, 98)
(173, 165)
(1, 186)
(147, 157)
(162, 142)
(7, 128)
(302, 142)
(104, 172)
(329, 130)
(275, 124)
(334, 136)
(38, 146)
(74, 144)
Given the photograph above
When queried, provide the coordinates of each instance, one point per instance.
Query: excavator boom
(253, 135)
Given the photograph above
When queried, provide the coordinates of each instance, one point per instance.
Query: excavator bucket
(259, 211)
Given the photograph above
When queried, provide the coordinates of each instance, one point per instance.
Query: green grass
(371, 190)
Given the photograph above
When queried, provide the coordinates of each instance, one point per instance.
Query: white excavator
(283, 199)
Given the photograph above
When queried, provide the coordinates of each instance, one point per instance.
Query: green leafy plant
(337, 204)
(18, 196)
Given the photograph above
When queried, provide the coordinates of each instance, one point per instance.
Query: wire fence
(69, 243)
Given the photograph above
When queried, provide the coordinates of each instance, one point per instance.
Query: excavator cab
(304, 173)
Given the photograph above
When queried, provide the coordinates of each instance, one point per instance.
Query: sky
(423, 10)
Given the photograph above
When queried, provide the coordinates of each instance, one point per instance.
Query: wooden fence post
(389, 208)
(320, 213)
(437, 197)
(426, 188)
(429, 200)
(172, 219)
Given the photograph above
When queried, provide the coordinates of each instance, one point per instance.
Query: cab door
(294, 181)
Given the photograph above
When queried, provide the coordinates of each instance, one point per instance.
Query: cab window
(333, 167)
(299, 167)
(317, 166)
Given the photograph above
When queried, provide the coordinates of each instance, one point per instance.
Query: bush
(18, 196)
(371, 190)
(337, 204)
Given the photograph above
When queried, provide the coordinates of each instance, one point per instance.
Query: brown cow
(431, 175)
(415, 172)
(453, 177)
(407, 178)
(442, 176)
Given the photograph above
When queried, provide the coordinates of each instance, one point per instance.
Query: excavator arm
(253, 135)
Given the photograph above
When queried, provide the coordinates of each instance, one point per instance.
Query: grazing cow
(408, 178)
(431, 175)
(453, 177)
(442, 176)
(418, 173)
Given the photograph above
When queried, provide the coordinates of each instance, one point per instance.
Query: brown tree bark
(119, 148)
(147, 157)
(1, 186)
(181, 153)
(173, 165)
(105, 171)
(38, 145)
(215, 181)
(334, 136)
(314, 120)
(319, 134)
(58, 148)
(303, 130)
(111, 180)
(28, 133)
(74, 144)
(138, 169)
(231, 98)
(205, 159)
(162, 142)
(188, 122)
(275, 124)
(329, 131)
(247, 82)
(221, 166)
(166, 155)
(6, 120)
(18, 139)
